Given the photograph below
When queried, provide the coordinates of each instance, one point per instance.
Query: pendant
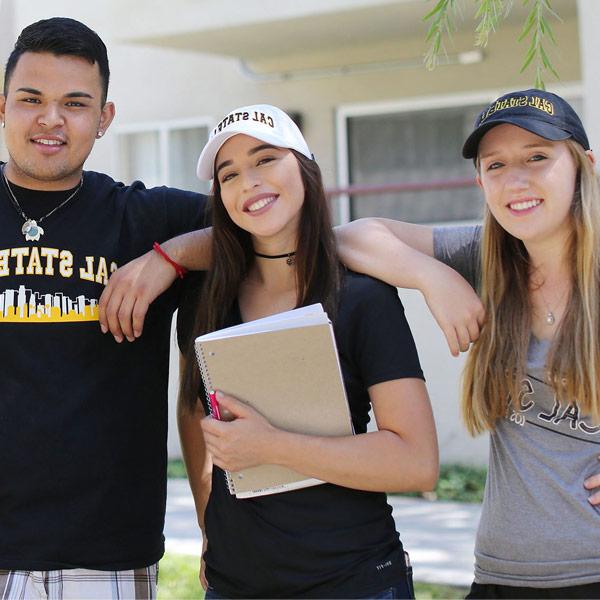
(550, 320)
(31, 230)
(290, 260)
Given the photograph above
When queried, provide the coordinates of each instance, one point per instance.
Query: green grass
(178, 580)
(425, 591)
(178, 577)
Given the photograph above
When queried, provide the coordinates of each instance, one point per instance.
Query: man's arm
(401, 254)
(133, 287)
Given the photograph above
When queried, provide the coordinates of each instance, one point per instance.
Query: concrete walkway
(438, 535)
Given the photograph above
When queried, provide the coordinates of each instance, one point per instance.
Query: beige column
(589, 43)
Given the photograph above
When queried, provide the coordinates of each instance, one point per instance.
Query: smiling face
(262, 191)
(52, 113)
(528, 183)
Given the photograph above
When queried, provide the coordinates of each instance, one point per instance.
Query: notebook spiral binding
(208, 387)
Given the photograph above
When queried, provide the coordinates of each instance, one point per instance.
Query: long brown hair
(317, 265)
(496, 363)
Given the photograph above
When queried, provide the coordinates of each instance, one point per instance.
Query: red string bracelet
(181, 271)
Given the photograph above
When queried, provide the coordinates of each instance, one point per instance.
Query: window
(410, 144)
(163, 154)
(410, 148)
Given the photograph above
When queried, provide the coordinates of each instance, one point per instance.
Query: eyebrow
(252, 151)
(261, 147)
(544, 144)
(35, 92)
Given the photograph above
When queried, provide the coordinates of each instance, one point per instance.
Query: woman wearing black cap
(273, 250)
(532, 377)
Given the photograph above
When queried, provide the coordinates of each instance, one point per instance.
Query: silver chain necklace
(31, 228)
(550, 318)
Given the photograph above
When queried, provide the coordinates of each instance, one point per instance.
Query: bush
(461, 483)
(457, 483)
(176, 469)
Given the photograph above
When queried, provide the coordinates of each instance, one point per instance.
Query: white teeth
(49, 142)
(524, 205)
(260, 204)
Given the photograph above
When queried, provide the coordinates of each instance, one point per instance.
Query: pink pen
(214, 405)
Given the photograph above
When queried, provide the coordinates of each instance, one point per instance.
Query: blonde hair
(495, 367)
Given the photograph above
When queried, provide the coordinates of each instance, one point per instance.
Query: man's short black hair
(61, 36)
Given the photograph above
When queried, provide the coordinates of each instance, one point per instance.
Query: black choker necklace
(288, 255)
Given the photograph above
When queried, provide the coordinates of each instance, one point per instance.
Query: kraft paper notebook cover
(286, 366)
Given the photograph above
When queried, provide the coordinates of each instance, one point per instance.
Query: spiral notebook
(285, 366)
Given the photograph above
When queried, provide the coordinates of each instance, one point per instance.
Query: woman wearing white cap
(532, 377)
(274, 250)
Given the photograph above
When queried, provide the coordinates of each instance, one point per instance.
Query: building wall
(154, 84)
(589, 25)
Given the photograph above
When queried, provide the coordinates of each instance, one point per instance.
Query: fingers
(124, 302)
(203, 581)
(102, 302)
(592, 483)
(464, 338)
(139, 315)
(212, 429)
(480, 315)
(452, 340)
(233, 406)
(124, 316)
(473, 330)
(202, 573)
(460, 337)
(111, 315)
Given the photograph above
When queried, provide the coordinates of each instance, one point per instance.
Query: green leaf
(528, 58)
(439, 7)
(489, 13)
(537, 28)
(441, 25)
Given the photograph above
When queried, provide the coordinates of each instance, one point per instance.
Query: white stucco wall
(589, 40)
(151, 83)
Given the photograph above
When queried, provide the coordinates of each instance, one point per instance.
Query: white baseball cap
(261, 121)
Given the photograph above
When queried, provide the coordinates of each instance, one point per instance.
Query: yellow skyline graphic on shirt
(26, 306)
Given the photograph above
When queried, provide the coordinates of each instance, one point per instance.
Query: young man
(83, 420)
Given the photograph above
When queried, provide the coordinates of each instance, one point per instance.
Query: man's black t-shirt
(328, 540)
(83, 420)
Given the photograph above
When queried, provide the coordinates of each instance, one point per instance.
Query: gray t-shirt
(537, 527)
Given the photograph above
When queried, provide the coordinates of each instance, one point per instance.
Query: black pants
(591, 590)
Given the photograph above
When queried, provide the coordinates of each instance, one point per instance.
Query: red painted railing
(425, 186)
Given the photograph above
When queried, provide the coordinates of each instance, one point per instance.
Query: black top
(83, 420)
(323, 541)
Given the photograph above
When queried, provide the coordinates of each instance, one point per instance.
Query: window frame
(163, 128)
(569, 91)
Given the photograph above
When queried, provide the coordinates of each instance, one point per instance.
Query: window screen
(413, 147)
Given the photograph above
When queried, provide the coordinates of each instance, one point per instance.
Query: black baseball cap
(537, 111)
